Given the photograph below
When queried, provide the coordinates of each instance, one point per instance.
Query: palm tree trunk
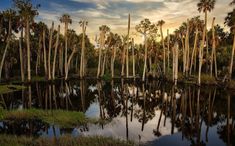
(49, 53)
(133, 58)
(207, 50)
(145, 57)
(6, 48)
(168, 50)
(28, 50)
(213, 53)
(194, 51)
(231, 62)
(201, 56)
(21, 56)
(102, 35)
(127, 49)
(187, 50)
(55, 54)
(66, 50)
(61, 58)
(38, 54)
(82, 62)
(45, 53)
(164, 52)
(68, 63)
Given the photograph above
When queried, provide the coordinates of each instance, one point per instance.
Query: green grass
(65, 119)
(7, 140)
(10, 88)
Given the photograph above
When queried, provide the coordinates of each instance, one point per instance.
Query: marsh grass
(10, 88)
(66, 140)
(65, 119)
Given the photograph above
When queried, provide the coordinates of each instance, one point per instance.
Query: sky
(114, 13)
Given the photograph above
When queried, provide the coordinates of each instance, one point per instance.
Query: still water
(153, 113)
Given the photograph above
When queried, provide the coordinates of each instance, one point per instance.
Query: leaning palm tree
(83, 24)
(206, 6)
(65, 18)
(103, 30)
(8, 15)
(55, 53)
(27, 12)
(160, 24)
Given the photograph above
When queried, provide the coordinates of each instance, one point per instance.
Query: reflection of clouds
(117, 128)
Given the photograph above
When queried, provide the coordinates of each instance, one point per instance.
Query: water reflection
(154, 114)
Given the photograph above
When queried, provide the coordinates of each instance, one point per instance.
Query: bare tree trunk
(45, 52)
(66, 49)
(68, 63)
(127, 49)
(82, 62)
(6, 48)
(55, 54)
(38, 54)
(187, 50)
(164, 51)
(201, 56)
(49, 53)
(113, 61)
(175, 62)
(133, 58)
(102, 39)
(28, 50)
(21, 56)
(61, 58)
(145, 57)
(194, 52)
(123, 61)
(168, 50)
(231, 62)
(213, 53)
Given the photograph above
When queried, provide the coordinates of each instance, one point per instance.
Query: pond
(152, 113)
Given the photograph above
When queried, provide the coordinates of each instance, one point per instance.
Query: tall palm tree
(27, 12)
(127, 47)
(49, 50)
(8, 15)
(206, 6)
(103, 30)
(83, 24)
(65, 18)
(230, 21)
(55, 53)
(160, 24)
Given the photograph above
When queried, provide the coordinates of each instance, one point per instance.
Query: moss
(65, 119)
(7, 140)
(10, 88)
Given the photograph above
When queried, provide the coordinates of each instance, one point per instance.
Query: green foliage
(107, 77)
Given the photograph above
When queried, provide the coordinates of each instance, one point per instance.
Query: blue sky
(114, 13)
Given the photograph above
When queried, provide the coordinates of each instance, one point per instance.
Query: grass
(65, 119)
(10, 88)
(7, 140)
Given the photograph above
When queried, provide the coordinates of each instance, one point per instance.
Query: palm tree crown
(206, 5)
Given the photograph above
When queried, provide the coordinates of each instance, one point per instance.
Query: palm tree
(160, 24)
(230, 21)
(55, 54)
(103, 30)
(49, 53)
(8, 15)
(127, 47)
(206, 6)
(27, 12)
(145, 28)
(83, 24)
(65, 18)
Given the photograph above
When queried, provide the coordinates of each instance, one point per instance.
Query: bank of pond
(116, 112)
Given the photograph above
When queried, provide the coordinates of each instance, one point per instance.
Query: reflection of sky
(93, 111)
